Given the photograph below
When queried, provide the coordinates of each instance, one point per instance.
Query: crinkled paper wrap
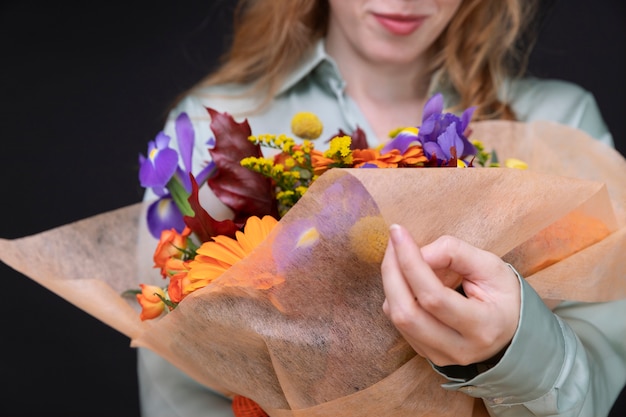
(318, 344)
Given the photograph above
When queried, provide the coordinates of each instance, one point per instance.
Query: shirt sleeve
(570, 362)
(558, 101)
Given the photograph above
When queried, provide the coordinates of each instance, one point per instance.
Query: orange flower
(413, 157)
(152, 306)
(214, 258)
(373, 157)
(245, 407)
(365, 155)
(177, 271)
(175, 289)
(319, 162)
(171, 245)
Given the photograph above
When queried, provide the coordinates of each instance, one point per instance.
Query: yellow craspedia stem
(368, 238)
(515, 163)
(306, 125)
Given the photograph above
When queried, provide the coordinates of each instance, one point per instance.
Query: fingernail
(395, 231)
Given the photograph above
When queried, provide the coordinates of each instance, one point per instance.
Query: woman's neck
(390, 96)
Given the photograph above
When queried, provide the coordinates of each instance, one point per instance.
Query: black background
(83, 88)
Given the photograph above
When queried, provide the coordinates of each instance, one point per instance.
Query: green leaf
(131, 293)
(172, 305)
(494, 157)
(180, 196)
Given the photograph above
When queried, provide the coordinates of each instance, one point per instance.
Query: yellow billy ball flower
(306, 125)
(515, 163)
(393, 133)
(368, 238)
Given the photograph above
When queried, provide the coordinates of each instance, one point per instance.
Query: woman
(373, 64)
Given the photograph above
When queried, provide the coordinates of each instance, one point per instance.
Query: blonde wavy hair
(474, 55)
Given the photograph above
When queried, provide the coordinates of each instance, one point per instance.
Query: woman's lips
(399, 25)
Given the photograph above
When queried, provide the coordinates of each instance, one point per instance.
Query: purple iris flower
(438, 133)
(161, 163)
(444, 143)
(164, 214)
(441, 131)
(186, 138)
(401, 142)
(161, 171)
(159, 166)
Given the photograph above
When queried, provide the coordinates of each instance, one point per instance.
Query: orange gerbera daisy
(216, 257)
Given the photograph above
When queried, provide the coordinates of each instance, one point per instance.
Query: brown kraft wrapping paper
(318, 344)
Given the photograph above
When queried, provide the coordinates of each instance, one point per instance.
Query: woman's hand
(440, 323)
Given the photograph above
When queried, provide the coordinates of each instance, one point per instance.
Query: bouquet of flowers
(194, 249)
(287, 311)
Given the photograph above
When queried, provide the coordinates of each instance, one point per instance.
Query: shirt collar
(322, 65)
(318, 61)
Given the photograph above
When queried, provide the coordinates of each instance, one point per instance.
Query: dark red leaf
(433, 162)
(247, 193)
(202, 224)
(359, 139)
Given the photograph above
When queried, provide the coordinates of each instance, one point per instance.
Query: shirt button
(496, 401)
